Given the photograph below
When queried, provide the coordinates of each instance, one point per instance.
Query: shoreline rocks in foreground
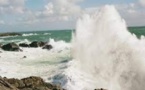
(29, 83)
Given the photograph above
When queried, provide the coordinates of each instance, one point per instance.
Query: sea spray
(105, 54)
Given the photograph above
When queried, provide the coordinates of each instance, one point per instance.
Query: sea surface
(39, 36)
(48, 64)
(65, 35)
(101, 53)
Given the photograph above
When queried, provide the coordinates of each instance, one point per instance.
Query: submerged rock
(30, 83)
(11, 47)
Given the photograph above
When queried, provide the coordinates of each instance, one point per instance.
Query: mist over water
(106, 55)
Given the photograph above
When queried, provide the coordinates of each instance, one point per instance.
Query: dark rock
(47, 47)
(23, 45)
(10, 34)
(34, 44)
(11, 47)
(37, 44)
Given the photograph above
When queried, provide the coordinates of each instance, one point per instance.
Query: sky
(29, 15)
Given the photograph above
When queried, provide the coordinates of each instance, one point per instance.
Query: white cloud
(127, 8)
(67, 7)
(57, 10)
(66, 11)
(49, 9)
(2, 22)
(132, 13)
(3, 2)
(142, 2)
(12, 6)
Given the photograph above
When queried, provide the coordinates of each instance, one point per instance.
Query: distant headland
(10, 34)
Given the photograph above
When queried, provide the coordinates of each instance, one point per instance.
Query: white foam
(8, 36)
(47, 34)
(59, 45)
(25, 41)
(105, 54)
(30, 34)
(38, 62)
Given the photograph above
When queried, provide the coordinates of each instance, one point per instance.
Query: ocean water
(39, 36)
(101, 53)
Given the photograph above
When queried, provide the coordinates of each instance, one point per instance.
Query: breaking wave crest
(105, 54)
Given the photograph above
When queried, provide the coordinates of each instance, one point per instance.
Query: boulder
(37, 44)
(11, 47)
(23, 45)
(47, 47)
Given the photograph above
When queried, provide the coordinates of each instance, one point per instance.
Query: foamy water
(105, 54)
(38, 61)
(30, 34)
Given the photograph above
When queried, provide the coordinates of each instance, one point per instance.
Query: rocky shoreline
(29, 83)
